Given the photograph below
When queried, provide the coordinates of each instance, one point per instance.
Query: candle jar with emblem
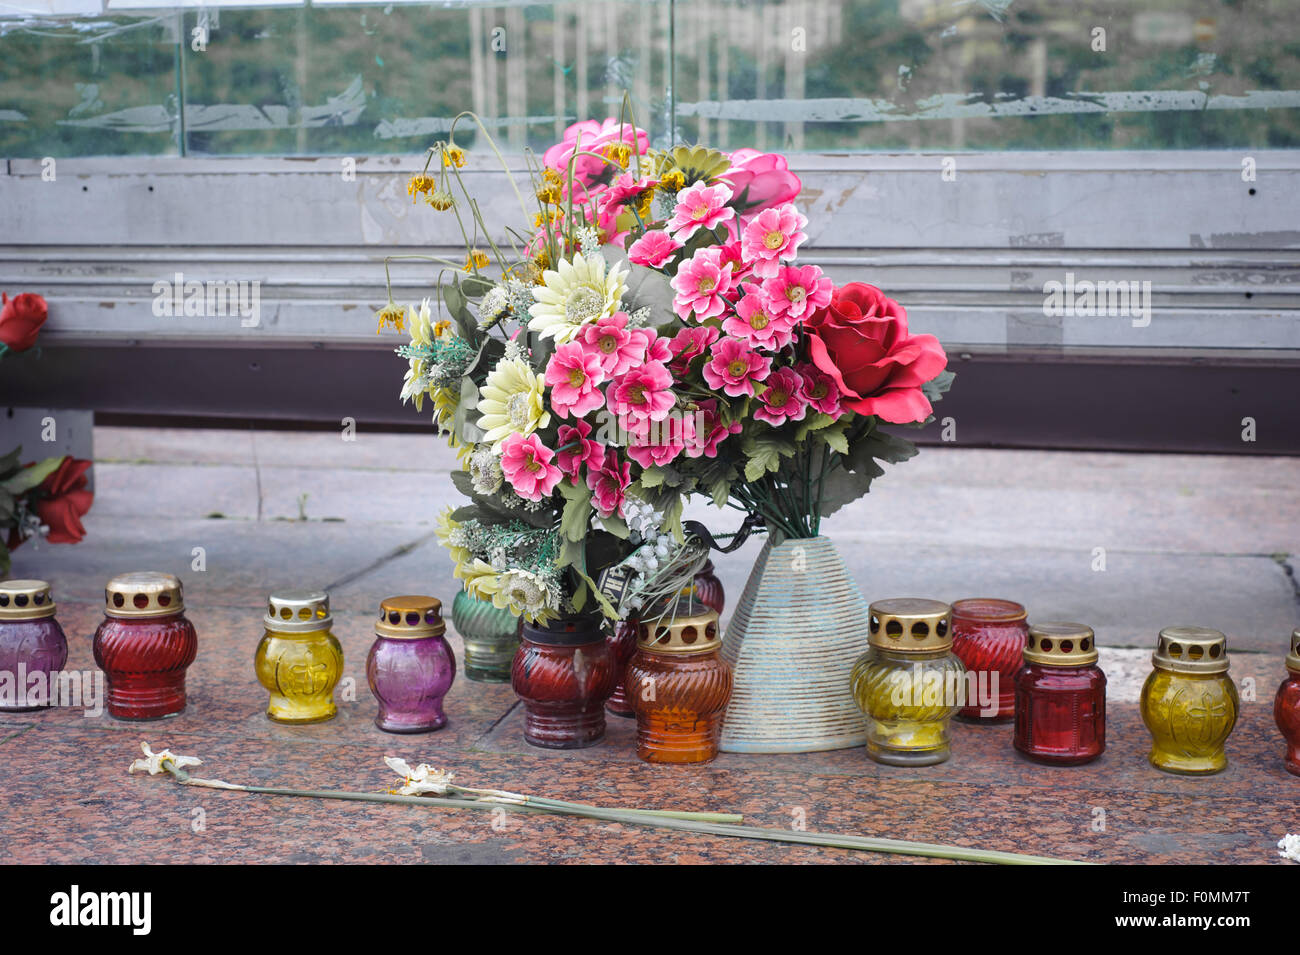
(564, 673)
(909, 683)
(1060, 696)
(299, 660)
(1189, 702)
(989, 636)
(678, 685)
(144, 646)
(410, 666)
(1286, 706)
(31, 643)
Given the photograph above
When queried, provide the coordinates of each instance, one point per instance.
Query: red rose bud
(860, 339)
(21, 319)
(62, 501)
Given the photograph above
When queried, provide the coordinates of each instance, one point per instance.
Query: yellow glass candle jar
(299, 660)
(909, 683)
(1189, 702)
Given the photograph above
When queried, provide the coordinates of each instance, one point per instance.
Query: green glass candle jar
(299, 660)
(1189, 703)
(909, 683)
(491, 637)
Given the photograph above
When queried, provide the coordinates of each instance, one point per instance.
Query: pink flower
(689, 344)
(595, 136)
(796, 292)
(701, 282)
(653, 249)
(783, 400)
(770, 236)
(820, 390)
(610, 340)
(735, 367)
(709, 430)
(700, 207)
(608, 481)
(643, 393)
(584, 450)
(654, 348)
(755, 322)
(731, 255)
(760, 180)
(662, 441)
(527, 466)
(575, 374)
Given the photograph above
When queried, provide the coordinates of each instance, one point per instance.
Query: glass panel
(97, 87)
(369, 78)
(988, 74)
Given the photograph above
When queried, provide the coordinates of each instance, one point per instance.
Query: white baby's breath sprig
(153, 762)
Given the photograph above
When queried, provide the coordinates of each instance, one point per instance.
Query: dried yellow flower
(453, 156)
(674, 180)
(477, 259)
(420, 184)
(393, 315)
(441, 200)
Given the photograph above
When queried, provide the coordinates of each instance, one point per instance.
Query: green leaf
(673, 519)
(880, 445)
(720, 491)
(579, 599)
(28, 478)
(814, 422)
(9, 462)
(6, 507)
(576, 520)
(842, 487)
(458, 309)
(475, 286)
(937, 387)
(646, 288)
(4, 558)
(615, 525)
(608, 608)
(461, 425)
(652, 477)
(571, 553)
(764, 455)
(835, 437)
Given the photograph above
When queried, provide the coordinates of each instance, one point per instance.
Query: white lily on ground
(1290, 847)
(419, 779)
(153, 762)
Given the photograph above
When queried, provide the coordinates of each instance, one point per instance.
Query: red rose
(860, 339)
(21, 319)
(62, 499)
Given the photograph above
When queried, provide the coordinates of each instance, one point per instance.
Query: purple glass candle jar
(410, 666)
(31, 643)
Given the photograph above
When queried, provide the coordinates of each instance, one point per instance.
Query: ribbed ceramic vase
(791, 644)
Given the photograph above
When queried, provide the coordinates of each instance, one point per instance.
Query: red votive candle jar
(564, 673)
(989, 635)
(708, 588)
(1061, 696)
(1286, 706)
(679, 686)
(622, 644)
(144, 646)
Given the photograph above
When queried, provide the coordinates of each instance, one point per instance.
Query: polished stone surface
(1186, 539)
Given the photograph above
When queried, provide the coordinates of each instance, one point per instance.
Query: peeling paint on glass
(840, 75)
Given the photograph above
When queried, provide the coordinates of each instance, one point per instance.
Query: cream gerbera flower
(512, 402)
(575, 294)
(416, 383)
(445, 403)
(444, 528)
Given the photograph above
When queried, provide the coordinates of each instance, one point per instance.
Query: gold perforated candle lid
(146, 593)
(910, 625)
(298, 611)
(410, 617)
(1060, 644)
(25, 600)
(1191, 650)
(690, 627)
(1293, 658)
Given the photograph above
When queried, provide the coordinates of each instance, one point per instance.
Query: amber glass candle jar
(1060, 696)
(989, 636)
(144, 646)
(410, 666)
(909, 683)
(31, 644)
(1286, 706)
(679, 686)
(1189, 702)
(299, 660)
